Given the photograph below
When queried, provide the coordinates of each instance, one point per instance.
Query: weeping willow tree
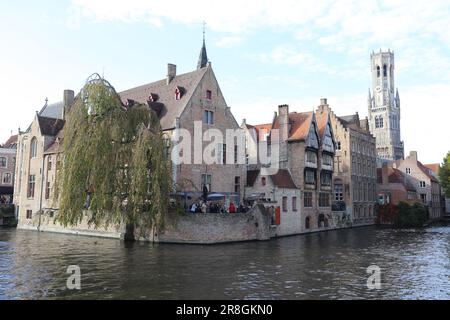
(114, 166)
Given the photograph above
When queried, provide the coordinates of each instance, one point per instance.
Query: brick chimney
(413, 155)
(69, 97)
(171, 72)
(283, 118)
(385, 174)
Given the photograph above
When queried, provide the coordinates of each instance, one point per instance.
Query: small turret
(203, 58)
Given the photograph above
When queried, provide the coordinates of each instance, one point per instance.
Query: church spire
(203, 58)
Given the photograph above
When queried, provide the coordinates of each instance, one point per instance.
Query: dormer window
(177, 94)
(208, 94)
(153, 97)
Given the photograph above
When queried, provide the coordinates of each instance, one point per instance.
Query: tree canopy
(114, 168)
(444, 175)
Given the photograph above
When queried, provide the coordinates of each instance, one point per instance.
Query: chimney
(68, 98)
(171, 72)
(413, 155)
(283, 111)
(385, 173)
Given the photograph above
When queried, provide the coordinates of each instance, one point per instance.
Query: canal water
(415, 264)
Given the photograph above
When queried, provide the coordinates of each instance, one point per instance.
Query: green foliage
(410, 216)
(116, 156)
(444, 175)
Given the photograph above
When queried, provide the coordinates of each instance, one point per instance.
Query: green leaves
(116, 155)
(444, 175)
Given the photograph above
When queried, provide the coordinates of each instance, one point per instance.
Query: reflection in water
(332, 265)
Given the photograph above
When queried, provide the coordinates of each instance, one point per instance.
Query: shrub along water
(113, 164)
(410, 216)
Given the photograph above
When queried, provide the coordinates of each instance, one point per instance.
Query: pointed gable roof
(426, 170)
(50, 126)
(170, 107)
(322, 119)
(203, 58)
(282, 179)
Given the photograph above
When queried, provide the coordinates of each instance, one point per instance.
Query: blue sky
(264, 53)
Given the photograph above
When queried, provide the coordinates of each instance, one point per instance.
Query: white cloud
(228, 42)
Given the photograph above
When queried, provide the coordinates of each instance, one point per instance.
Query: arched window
(307, 222)
(378, 71)
(33, 149)
(385, 71)
(380, 122)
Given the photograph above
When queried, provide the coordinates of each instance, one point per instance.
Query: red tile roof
(434, 167)
(262, 129)
(299, 125)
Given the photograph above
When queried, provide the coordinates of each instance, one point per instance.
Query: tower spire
(203, 58)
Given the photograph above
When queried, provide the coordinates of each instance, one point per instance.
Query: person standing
(232, 208)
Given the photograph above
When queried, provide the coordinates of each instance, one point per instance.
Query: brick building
(192, 101)
(354, 185)
(425, 183)
(7, 165)
(306, 151)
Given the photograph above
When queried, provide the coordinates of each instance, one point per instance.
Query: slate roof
(165, 94)
(56, 146)
(251, 177)
(53, 110)
(50, 126)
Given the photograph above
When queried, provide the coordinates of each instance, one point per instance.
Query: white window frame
(6, 162)
(4, 176)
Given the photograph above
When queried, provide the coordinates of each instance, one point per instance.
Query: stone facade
(384, 108)
(182, 102)
(213, 228)
(226, 177)
(278, 194)
(35, 169)
(354, 185)
(306, 151)
(394, 186)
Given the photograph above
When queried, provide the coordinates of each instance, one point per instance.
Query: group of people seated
(214, 207)
(4, 200)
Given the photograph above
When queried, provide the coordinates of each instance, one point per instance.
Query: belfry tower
(384, 108)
